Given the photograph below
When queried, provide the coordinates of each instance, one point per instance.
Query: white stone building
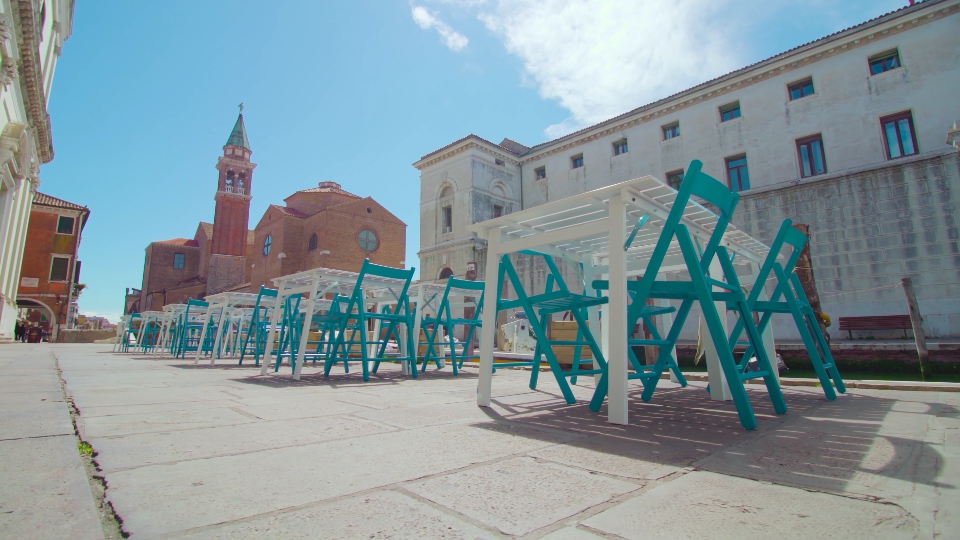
(851, 134)
(32, 33)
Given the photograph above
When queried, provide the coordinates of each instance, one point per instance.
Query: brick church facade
(323, 226)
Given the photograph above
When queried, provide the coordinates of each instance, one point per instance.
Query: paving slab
(708, 505)
(45, 493)
(170, 497)
(520, 495)
(123, 424)
(380, 514)
(143, 449)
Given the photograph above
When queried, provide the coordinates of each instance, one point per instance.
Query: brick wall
(868, 230)
(337, 231)
(159, 273)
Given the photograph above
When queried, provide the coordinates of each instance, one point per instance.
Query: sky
(146, 93)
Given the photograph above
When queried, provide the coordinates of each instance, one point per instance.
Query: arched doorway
(38, 314)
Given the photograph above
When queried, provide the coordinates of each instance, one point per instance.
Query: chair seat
(652, 311)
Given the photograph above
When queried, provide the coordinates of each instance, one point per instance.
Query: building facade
(51, 270)
(32, 33)
(327, 227)
(852, 134)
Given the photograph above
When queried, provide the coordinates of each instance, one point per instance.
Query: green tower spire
(238, 137)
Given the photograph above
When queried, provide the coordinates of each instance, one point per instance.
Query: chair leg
(801, 322)
(719, 336)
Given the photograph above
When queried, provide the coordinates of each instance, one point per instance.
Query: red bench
(879, 322)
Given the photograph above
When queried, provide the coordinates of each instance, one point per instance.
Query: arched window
(447, 191)
(368, 240)
(229, 178)
(267, 242)
(446, 273)
(243, 178)
(312, 245)
(446, 210)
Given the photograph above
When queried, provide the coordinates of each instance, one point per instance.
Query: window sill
(903, 156)
(671, 140)
(894, 70)
(804, 98)
(730, 122)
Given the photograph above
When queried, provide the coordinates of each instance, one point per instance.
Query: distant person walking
(18, 331)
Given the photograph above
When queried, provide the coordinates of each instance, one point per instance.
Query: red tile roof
(189, 242)
(47, 200)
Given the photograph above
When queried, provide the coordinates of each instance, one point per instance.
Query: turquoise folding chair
(446, 320)
(539, 309)
(259, 323)
(192, 330)
(130, 331)
(795, 303)
(326, 325)
(352, 330)
(288, 340)
(700, 289)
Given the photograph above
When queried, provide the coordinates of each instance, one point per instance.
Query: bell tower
(234, 187)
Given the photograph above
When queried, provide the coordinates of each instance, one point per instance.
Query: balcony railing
(235, 189)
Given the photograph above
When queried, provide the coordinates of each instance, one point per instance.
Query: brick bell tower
(229, 245)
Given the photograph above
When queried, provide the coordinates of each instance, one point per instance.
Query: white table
(592, 228)
(221, 305)
(314, 285)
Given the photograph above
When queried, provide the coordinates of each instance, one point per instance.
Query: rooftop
(238, 137)
(48, 200)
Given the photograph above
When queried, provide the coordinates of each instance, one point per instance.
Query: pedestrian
(17, 331)
(25, 333)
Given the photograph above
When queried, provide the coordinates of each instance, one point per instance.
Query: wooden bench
(879, 322)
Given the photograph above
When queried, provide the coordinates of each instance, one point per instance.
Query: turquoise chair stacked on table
(446, 320)
(794, 303)
(556, 298)
(191, 330)
(130, 332)
(352, 330)
(259, 323)
(700, 288)
(288, 339)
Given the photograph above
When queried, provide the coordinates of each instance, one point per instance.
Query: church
(324, 226)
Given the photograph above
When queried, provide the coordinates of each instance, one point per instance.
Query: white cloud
(455, 41)
(601, 58)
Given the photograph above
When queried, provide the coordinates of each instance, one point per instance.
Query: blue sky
(146, 93)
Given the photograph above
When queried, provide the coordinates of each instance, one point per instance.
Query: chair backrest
(462, 285)
(786, 236)
(695, 182)
(377, 270)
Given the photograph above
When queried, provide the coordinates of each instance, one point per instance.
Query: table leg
(615, 316)
(593, 316)
(489, 319)
(305, 334)
(203, 333)
(719, 391)
(271, 330)
(216, 342)
(767, 335)
(417, 321)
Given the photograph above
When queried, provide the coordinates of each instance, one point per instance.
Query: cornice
(239, 163)
(31, 77)
(761, 72)
(221, 194)
(467, 145)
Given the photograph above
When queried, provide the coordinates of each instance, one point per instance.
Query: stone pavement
(221, 452)
(44, 491)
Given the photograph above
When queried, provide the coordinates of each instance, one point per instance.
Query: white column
(615, 316)
(489, 319)
(417, 322)
(719, 390)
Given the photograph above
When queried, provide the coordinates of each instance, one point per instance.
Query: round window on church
(368, 240)
(267, 242)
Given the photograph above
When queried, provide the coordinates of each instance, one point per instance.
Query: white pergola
(222, 305)
(611, 231)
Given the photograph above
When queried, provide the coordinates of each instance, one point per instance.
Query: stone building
(214, 260)
(51, 270)
(852, 134)
(326, 227)
(32, 33)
